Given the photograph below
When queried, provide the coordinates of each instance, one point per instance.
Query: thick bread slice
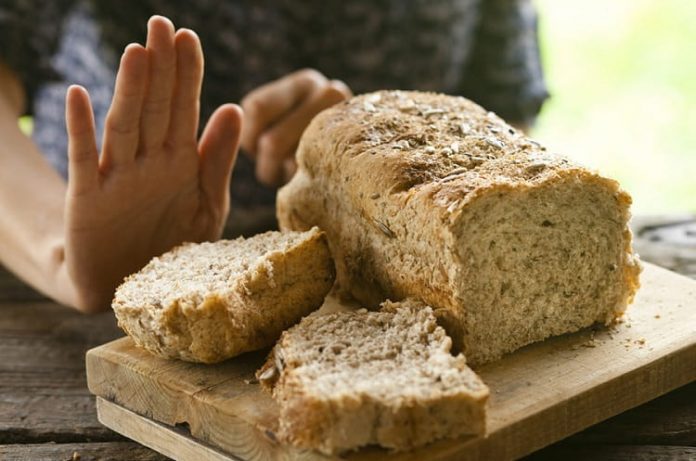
(208, 302)
(429, 196)
(350, 379)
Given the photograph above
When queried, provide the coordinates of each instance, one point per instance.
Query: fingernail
(192, 32)
(75, 87)
(130, 46)
(161, 18)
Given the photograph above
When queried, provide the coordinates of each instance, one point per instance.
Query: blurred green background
(622, 75)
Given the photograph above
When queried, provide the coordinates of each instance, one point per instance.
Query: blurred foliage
(622, 75)
(26, 124)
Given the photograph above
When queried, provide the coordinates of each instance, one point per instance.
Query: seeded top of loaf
(190, 272)
(397, 354)
(447, 144)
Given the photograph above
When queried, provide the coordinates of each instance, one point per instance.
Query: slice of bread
(208, 302)
(349, 379)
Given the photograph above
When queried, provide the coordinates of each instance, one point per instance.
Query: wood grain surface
(102, 451)
(46, 412)
(540, 394)
(171, 441)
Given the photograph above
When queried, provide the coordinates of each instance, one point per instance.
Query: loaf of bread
(429, 196)
(208, 302)
(349, 379)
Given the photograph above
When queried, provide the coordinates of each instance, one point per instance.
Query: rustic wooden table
(47, 413)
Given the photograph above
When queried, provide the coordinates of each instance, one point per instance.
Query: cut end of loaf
(351, 379)
(208, 302)
(543, 260)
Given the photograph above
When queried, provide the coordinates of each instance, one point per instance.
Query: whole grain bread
(350, 379)
(208, 302)
(430, 196)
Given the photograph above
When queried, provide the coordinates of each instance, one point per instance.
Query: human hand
(276, 114)
(155, 184)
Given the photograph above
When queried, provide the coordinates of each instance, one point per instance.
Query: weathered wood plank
(170, 441)
(540, 394)
(615, 453)
(103, 451)
(41, 318)
(43, 392)
(181, 446)
(669, 420)
(668, 241)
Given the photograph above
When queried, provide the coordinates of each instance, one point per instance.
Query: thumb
(218, 149)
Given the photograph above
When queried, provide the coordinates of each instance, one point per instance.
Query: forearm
(32, 199)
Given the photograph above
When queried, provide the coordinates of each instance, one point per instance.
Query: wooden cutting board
(539, 394)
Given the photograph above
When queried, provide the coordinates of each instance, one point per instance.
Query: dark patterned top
(484, 49)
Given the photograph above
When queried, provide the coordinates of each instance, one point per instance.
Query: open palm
(155, 184)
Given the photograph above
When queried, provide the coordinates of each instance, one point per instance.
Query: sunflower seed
(385, 230)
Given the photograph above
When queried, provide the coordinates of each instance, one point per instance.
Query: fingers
(183, 127)
(266, 104)
(218, 148)
(122, 127)
(161, 51)
(83, 158)
(278, 144)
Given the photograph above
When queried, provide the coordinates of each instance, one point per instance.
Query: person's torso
(369, 44)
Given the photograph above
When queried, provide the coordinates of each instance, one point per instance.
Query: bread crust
(394, 178)
(250, 313)
(384, 406)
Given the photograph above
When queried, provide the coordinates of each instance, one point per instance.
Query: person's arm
(32, 200)
(154, 185)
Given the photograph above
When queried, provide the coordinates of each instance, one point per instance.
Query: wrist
(66, 289)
